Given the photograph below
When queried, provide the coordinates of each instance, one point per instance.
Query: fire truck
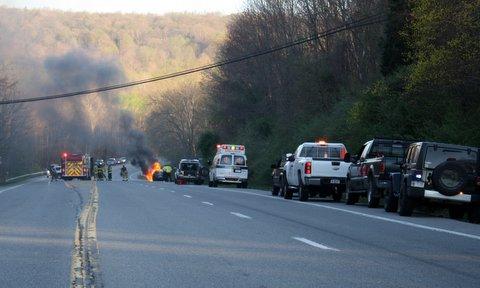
(76, 166)
(229, 166)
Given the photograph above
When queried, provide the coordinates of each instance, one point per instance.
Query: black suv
(190, 170)
(444, 173)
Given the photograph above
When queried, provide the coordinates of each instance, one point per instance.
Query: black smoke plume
(137, 151)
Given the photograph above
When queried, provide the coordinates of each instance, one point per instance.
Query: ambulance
(229, 166)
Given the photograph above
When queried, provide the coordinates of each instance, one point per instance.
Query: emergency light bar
(230, 148)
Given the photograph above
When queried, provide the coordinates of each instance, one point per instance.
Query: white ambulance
(229, 166)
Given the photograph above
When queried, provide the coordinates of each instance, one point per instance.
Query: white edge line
(207, 203)
(240, 215)
(401, 222)
(314, 244)
(11, 188)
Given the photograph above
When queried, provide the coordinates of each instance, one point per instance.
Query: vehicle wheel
(474, 214)
(456, 212)
(281, 192)
(391, 201)
(240, 185)
(302, 191)
(337, 194)
(210, 184)
(287, 192)
(215, 183)
(372, 197)
(351, 198)
(275, 190)
(245, 185)
(405, 203)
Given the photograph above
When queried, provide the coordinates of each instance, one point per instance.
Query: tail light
(382, 168)
(308, 168)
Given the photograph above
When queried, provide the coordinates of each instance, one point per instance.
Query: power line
(365, 21)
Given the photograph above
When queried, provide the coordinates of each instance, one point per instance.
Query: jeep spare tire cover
(449, 178)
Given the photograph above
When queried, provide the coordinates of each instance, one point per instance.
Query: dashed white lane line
(401, 222)
(11, 188)
(240, 215)
(188, 196)
(207, 203)
(314, 244)
(172, 191)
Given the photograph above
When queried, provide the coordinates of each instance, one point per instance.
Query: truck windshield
(226, 160)
(188, 166)
(239, 160)
(387, 150)
(435, 157)
(322, 152)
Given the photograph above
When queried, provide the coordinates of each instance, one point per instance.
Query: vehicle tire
(405, 203)
(449, 178)
(372, 191)
(287, 192)
(281, 192)
(474, 214)
(302, 191)
(390, 201)
(240, 185)
(275, 190)
(210, 184)
(245, 185)
(337, 194)
(456, 212)
(351, 198)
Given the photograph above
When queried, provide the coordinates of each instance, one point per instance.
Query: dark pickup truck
(375, 173)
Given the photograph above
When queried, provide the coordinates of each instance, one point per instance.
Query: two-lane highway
(165, 235)
(37, 221)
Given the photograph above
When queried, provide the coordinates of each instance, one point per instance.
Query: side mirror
(290, 157)
(273, 166)
(209, 162)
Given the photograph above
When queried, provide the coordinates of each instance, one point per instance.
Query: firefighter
(124, 173)
(95, 172)
(167, 169)
(109, 172)
(53, 173)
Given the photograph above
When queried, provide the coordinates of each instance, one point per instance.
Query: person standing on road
(109, 172)
(124, 173)
(95, 172)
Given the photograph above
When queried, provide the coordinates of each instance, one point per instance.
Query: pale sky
(135, 6)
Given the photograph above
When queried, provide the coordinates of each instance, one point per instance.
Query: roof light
(322, 142)
(64, 154)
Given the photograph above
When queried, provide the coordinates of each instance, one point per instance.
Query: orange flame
(156, 167)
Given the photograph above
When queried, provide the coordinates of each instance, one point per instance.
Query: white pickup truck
(316, 169)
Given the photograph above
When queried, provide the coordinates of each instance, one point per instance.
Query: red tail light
(308, 168)
(382, 167)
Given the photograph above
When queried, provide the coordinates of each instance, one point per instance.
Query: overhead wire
(363, 22)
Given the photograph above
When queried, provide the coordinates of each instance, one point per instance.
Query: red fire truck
(76, 166)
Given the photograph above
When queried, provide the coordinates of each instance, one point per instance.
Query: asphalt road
(165, 235)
